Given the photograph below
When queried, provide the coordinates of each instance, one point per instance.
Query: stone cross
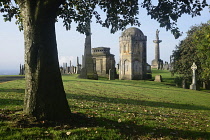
(193, 85)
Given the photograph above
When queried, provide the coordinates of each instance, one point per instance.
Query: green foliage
(202, 43)
(194, 48)
(10, 10)
(112, 110)
(119, 13)
(167, 12)
(117, 16)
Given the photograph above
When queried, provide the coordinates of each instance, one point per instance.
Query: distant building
(104, 60)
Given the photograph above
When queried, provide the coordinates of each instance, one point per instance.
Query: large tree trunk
(45, 97)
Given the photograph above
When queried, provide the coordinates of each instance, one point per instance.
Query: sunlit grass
(117, 109)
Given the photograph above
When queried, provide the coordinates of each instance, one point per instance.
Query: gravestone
(65, 68)
(183, 83)
(111, 74)
(193, 85)
(158, 78)
(22, 70)
(72, 69)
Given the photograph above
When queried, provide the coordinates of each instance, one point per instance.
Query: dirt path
(10, 78)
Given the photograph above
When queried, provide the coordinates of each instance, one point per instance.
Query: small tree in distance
(44, 94)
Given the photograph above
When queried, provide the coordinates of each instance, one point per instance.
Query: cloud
(67, 59)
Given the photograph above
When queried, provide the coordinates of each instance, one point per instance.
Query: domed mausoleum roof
(132, 31)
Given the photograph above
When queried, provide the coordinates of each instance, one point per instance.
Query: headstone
(20, 70)
(193, 85)
(111, 74)
(65, 68)
(70, 71)
(183, 83)
(158, 78)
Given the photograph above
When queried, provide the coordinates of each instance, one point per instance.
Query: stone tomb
(133, 59)
(104, 61)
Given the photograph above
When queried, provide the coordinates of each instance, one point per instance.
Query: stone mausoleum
(133, 58)
(104, 60)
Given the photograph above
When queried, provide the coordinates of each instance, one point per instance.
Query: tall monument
(88, 66)
(157, 61)
(78, 66)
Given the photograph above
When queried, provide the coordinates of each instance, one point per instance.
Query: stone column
(157, 50)
(157, 59)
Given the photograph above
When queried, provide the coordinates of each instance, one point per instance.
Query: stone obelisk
(78, 66)
(157, 61)
(88, 71)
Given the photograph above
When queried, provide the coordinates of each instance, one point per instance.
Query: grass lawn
(117, 109)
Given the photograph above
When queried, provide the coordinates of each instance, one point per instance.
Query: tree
(45, 97)
(202, 43)
(194, 48)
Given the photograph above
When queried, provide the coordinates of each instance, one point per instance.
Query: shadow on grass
(79, 121)
(10, 78)
(12, 90)
(134, 131)
(136, 102)
(136, 83)
(4, 102)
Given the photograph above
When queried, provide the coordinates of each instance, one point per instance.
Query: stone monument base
(85, 75)
(156, 64)
(193, 86)
(158, 78)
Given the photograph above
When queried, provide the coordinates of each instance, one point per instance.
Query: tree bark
(45, 97)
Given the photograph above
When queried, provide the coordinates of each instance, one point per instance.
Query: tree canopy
(194, 48)
(119, 13)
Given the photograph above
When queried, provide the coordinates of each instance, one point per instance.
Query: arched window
(124, 48)
(125, 67)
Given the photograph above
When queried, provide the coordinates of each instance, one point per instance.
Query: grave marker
(193, 85)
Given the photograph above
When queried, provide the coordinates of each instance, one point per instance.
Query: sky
(71, 43)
